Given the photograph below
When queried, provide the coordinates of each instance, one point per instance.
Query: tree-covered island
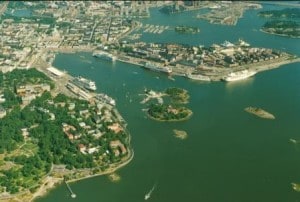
(46, 138)
(283, 22)
(172, 110)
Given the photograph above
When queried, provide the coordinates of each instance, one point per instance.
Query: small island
(178, 95)
(259, 112)
(181, 134)
(171, 108)
(114, 177)
(296, 187)
(187, 29)
(283, 22)
(163, 112)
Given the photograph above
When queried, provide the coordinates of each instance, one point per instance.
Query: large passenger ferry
(84, 83)
(151, 66)
(197, 77)
(234, 76)
(104, 55)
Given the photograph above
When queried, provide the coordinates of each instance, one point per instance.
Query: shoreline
(272, 64)
(53, 182)
(284, 35)
(106, 172)
(49, 181)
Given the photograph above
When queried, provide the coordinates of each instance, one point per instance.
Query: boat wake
(148, 195)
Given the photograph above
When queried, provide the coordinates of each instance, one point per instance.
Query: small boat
(148, 195)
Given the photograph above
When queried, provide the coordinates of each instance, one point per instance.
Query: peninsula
(55, 137)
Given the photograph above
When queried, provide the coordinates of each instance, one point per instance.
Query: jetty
(73, 195)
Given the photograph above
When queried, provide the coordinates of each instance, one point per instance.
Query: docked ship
(197, 77)
(84, 83)
(243, 43)
(105, 98)
(154, 67)
(234, 76)
(104, 55)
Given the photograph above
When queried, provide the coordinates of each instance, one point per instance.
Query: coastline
(284, 35)
(108, 171)
(51, 182)
(221, 72)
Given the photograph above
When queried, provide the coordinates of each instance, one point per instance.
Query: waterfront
(229, 154)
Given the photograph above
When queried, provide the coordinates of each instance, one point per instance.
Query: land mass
(283, 22)
(54, 137)
(173, 109)
(181, 134)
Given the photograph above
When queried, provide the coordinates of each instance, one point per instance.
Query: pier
(73, 195)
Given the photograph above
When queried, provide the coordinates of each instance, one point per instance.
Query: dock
(73, 195)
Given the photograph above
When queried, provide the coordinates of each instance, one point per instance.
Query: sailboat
(148, 195)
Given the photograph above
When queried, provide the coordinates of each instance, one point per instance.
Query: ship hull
(198, 77)
(240, 76)
(84, 83)
(158, 69)
(105, 56)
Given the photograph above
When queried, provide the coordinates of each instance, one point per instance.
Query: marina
(154, 29)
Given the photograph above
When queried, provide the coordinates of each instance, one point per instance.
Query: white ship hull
(84, 83)
(157, 68)
(239, 75)
(104, 55)
(198, 77)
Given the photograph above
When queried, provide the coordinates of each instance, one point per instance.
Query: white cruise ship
(104, 55)
(84, 83)
(154, 67)
(234, 76)
(197, 77)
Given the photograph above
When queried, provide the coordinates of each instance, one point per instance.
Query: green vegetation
(282, 27)
(288, 13)
(171, 111)
(22, 76)
(163, 112)
(33, 139)
(284, 22)
(178, 95)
